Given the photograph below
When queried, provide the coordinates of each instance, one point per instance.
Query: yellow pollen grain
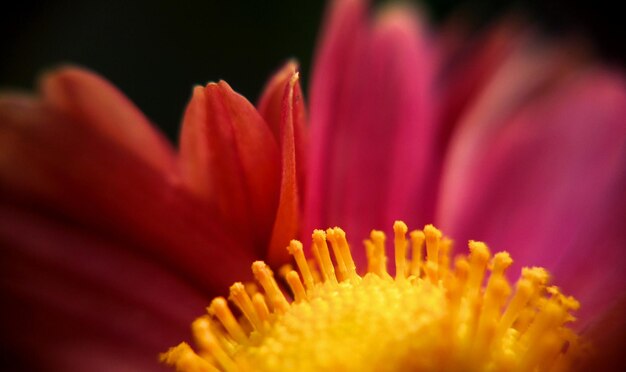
(432, 316)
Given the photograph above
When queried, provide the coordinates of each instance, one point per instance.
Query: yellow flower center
(430, 316)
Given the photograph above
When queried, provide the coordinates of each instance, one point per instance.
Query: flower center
(430, 316)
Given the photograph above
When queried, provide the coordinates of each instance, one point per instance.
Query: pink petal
(341, 47)
(537, 168)
(370, 106)
(230, 159)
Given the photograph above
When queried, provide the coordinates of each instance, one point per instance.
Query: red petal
(55, 164)
(230, 159)
(75, 300)
(272, 108)
(292, 119)
(88, 98)
(79, 287)
(270, 105)
(370, 105)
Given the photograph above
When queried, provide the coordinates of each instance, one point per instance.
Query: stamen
(293, 279)
(241, 298)
(430, 316)
(295, 249)
(344, 249)
(433, 236)
(219, 308)
(258, 300)
(417, 243)
(326, 265)
(378, 238)
(264, 275)
(400, 243)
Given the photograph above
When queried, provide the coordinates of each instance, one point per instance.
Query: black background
(156, 51)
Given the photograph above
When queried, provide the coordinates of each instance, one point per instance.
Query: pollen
(432, 314)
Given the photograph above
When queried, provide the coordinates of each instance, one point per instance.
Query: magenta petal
(467, 63)
(546, 181)
(369, 108)
(341, 48)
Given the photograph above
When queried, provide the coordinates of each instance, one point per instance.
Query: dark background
(156, 51)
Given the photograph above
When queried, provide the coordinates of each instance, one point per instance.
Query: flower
(108, 233)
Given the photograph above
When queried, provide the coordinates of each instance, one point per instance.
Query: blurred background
(156, 51)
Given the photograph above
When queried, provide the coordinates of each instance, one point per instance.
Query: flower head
(112, 240)
(429, 316)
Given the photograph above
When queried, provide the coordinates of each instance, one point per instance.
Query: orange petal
(230, 159)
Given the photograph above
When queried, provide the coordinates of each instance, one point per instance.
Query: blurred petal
(369, 107)
(607, 330)
(541, 174)
(55, 164)
(83, 301)
(467, 64)
(230, 159)
(89, 98)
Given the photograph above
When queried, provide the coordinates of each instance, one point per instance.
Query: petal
(545, 179)
(609, 337)
(230, 159)
(272, 105)
(75, 300)
(341, 47)
(370, 105)
(292, 118)
(468, 65)
(61, 166)
(89, 98)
